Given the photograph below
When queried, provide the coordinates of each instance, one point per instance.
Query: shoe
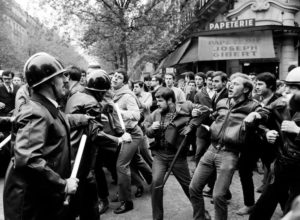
(124, 207)
(261, 188)
(246, 210)
(139, 191)
(115, 198)
(103, 206)
(207, 193)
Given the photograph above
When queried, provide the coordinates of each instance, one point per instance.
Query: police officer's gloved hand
(71, 185)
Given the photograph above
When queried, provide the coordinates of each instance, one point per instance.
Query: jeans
(160, 167)
(283, 189)
(247, 163)
(129, 154)
(225, 163)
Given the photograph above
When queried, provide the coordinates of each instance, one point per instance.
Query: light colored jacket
(127, 103)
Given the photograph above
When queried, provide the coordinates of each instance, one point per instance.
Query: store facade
(245, 36)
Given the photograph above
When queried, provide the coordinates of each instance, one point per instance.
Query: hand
(2, 105)
(196, 112)
(88, 117)
(290, 127)
(71, 185)
(12, 118)
(272, 136)
(186, 130)
(155, 125)
(251, 117)
(126, 137)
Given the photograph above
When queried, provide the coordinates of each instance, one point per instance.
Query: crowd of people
(141, 131)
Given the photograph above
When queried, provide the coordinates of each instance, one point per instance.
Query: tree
(8, 54)
(118, 30)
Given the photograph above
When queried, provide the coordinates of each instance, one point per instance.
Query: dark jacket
(229, 130)
(203, 98)
(8, 99)
(35, 181)
(219, 97)
(172, 133)
(289, 143)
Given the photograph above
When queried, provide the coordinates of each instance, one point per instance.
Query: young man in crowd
(200, 80)
(167, 126)
(179, 94)
(192, 91)
(284, 184)
(228, 136)
(156, 83)
(127, 103)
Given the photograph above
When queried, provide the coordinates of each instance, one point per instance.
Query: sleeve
(132, 111)
(147, 125)
(5, 124)
(77, 121)
(31, 138)
(148, 101)
(181, 97)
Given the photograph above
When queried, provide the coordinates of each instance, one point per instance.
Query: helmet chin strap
(55, 92)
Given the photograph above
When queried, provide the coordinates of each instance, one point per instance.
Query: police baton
(173, 162)
(76, 163)
(5, 141)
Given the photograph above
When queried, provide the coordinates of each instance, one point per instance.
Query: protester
(285, 182)
(179, 94)
(165, 125)
(228, 136)
(127, 103)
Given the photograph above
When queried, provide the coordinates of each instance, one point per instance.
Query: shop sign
(231, 24)
(255, 45)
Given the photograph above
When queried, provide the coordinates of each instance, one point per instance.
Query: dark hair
(269, 79)
(202, 75)
(158, 78)
(209, 73)
(170, 74)
(166, 94)
(140, 83)
(8, 73)
(124, 73)
(191, 75)
(291, 67)
(74, 73)
(223, 75)
(147, 77)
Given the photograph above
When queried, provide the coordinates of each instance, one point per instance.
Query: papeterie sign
(231, 24)
(254, 45)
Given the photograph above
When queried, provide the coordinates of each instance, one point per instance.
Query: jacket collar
(45, 102)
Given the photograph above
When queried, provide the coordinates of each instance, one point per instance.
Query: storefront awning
(255, 45)
(174, 57)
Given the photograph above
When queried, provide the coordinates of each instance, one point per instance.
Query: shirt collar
(53, 102)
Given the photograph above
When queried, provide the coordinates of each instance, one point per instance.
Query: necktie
(9, 90)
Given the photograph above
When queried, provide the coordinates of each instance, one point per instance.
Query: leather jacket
(182, 119)
(229, 130)
(289, 143)
(35, 181)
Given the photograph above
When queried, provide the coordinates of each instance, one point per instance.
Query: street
(176, 205)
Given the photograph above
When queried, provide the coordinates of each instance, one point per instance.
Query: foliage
(39, 38)
(118, 30)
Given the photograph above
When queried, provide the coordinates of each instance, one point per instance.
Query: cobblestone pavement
(176, 205)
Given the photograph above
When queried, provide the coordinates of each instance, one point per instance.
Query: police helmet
(41, 67)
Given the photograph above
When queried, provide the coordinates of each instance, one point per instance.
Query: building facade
(237, 36)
